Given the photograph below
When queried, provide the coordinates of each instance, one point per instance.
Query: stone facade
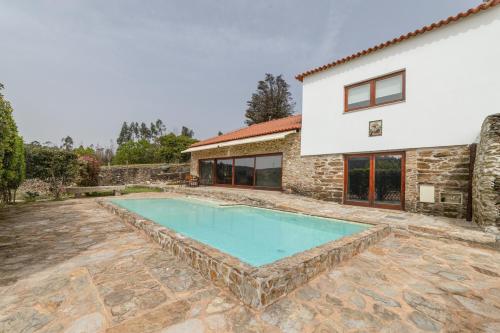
(261, 286)
(445, 168)
(142, 174)
(486, 180)
(322, 176)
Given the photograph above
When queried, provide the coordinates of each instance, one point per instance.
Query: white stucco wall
(452, 84)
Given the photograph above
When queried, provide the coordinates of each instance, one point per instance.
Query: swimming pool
(255, 236)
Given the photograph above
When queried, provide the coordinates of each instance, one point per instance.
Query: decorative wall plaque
(375, 128)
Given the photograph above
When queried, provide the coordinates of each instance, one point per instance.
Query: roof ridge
(429, 27)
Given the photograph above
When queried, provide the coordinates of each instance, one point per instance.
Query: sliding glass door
(206, 172)
(261, 171)
(224, 171)
(244, 170)
(268, 171)
(375, 180)
(387, 180)
(358, 179)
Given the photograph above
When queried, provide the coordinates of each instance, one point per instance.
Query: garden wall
(142, 174)
(486, 180)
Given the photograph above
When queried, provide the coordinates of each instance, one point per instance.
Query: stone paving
(73, 267)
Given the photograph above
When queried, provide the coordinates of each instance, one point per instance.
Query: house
(391, 126)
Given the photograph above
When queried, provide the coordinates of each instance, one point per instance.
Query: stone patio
(73, 267)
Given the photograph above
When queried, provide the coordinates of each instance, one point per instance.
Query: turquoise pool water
(253, 235)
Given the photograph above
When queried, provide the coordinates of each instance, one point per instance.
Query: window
(206, 172)
(243, 171)
(382, 90)
(268, 171)
(224, 171)
(262, 171)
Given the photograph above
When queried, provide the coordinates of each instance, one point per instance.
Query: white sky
(82, 67)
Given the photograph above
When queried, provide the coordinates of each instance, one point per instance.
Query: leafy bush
(171, 147)
(31, 196)
(12, 165)
(88, 167)
(55, 166)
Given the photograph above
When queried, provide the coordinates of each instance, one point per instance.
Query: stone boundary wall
(257, 287)
(486, 179)
(322, 176)
(143, 174)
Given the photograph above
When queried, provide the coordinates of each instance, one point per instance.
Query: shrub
(53, 165)
(31, 196)
(12, 166)
(88, 167)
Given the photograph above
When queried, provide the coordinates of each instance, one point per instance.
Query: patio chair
(192, 181)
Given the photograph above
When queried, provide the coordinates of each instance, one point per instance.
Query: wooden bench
(79, 191)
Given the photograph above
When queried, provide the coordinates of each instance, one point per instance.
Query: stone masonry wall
(447, 169)
(142, 174)
(322, 176)
(486, 180)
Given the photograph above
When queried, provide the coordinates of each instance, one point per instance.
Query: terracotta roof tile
(269, 127)
(430, 27)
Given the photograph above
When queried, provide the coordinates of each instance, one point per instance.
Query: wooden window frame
(371, 189)
(233, 158)
(372, 83)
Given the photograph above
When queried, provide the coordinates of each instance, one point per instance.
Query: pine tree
(272, 100)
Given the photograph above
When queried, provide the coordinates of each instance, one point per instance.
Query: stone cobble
(73, 267)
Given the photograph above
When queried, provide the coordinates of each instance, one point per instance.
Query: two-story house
(390, 126)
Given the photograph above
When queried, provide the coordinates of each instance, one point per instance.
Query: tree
(272, 100)
(67, 143)
(160, 127)
(219, 133)
(134, 131)
(187, 132)
(139, 152)
(12, 165)
(125, 134)
(84, 151)
(145, 132)
(172, 146)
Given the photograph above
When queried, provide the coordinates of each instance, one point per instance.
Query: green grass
(141, 189)
(128, 190)
(98, 194)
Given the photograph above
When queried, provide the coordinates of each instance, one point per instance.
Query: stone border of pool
(256, 287)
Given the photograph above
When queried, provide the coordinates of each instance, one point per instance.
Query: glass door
(358, 180)
(375, 180)
(388, 180)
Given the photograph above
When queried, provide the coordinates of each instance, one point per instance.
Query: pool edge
(256, 287)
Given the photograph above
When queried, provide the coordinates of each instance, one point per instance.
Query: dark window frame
(214, 176)
(372, 83)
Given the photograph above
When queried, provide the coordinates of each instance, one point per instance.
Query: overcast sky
(82, 67)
